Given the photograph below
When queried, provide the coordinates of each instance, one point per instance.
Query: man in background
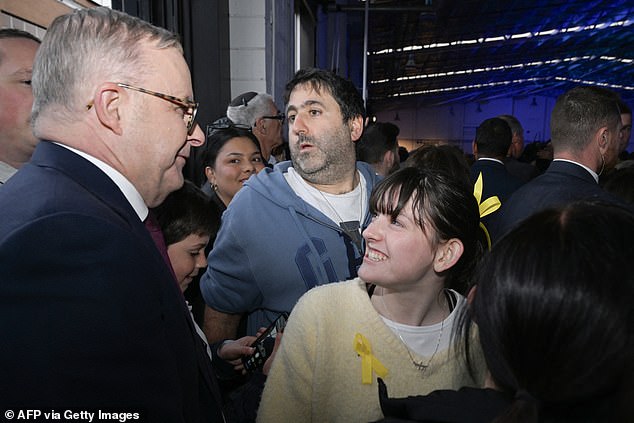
(259, 112)
(492, 141)
(299, 225)
(585, 127)
(17, 142)
(92, 316)
(523, 171)
(379, 147)
(626, 133)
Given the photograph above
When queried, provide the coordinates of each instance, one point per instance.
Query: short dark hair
(443, 158)
(187, 211)
(377, 139)
(18, 33)
(579, 113)
(620, 183)
(493, 137)
(12, 33)
(218, 138)
(514, 124)
(446, 204)
(623, 107)
(342, 90)
(554, 314)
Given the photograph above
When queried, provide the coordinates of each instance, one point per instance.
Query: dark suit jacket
(496, 181)
(562, 183)
(91, 316)
(522, 171)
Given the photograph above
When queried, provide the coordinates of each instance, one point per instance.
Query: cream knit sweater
(316, 374)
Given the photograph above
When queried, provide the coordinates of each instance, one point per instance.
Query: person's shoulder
(268, 182)
(369, 174)
(335, 291)
(512, 181)
(327, 298)
(81, 239)
(539, 183)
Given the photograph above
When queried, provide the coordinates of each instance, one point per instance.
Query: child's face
(188, 257)
(397, 251)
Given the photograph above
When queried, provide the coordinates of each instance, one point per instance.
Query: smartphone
(264, 344)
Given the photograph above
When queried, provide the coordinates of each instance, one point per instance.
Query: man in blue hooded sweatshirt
(299, 225)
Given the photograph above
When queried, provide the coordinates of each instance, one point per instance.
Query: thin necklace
(418, 364)
(350, 228)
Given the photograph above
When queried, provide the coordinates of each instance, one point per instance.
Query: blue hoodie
(273, 247)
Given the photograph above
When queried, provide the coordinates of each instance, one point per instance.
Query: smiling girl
(232, 155)
(394, 321)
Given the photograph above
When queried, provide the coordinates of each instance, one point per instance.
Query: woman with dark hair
(553, 307)
(395, 320)
(231, 156)
(441, 158)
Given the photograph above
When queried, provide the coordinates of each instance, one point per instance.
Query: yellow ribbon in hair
(486, 207)
(368, 361)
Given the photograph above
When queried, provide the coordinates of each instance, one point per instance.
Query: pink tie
(157, 236)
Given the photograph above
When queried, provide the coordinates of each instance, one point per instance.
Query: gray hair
(258, 106)
(514, 124)
(89, 44)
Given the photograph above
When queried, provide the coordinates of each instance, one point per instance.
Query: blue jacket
(273, 247)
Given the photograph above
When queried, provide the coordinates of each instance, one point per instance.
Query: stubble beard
(328, 162)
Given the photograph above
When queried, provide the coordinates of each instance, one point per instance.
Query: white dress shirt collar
(129, 191)
(592, 172)
(491, 159)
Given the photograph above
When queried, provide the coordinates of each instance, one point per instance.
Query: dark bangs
(391, 195)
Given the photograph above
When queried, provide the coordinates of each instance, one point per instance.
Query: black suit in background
(496, 181)
(522, 171)
(562, 183)
(90, 314)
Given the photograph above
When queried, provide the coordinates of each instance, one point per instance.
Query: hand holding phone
(264, 344)
(269, 361)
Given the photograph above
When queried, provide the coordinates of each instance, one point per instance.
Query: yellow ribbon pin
(368, 361)
(486, 207)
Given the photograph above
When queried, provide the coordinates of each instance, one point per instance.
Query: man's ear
(259, 126)
(602, 136)
(474, 148)
(448, 254)
(356, 127)
(108, 103)
(388, 159)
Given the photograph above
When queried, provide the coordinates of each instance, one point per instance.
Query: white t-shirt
(348, 207)
(423, 339)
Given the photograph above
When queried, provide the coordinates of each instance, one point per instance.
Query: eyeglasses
(189, 107)
(225, 124)
(279, 116)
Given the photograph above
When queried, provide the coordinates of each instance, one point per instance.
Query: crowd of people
(417, 287)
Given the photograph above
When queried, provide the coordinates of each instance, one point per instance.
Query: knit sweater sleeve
(288, 392)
